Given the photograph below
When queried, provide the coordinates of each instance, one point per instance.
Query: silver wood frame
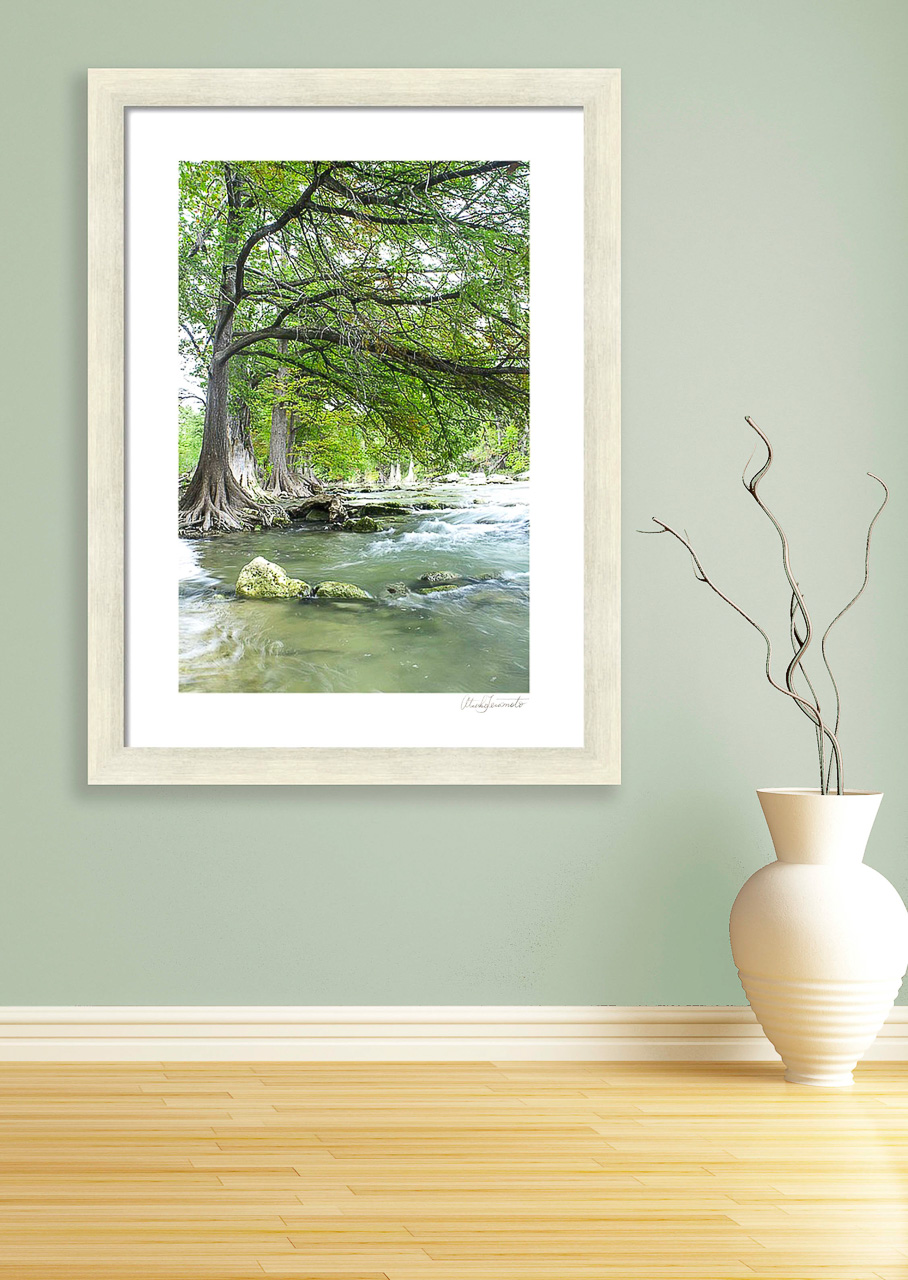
(111, 94)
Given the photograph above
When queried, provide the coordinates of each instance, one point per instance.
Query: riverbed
(474, 639)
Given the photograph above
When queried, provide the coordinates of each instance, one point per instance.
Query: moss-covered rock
(340, 591)
(365, 524)
(381, 509)
(434, 579)
(397, 589)
(445, 586)
(262, 580)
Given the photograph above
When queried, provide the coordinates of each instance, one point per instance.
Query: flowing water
(474, 639)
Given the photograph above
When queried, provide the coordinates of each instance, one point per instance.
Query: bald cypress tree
(399, 289)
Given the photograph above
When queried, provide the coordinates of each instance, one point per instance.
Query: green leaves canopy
(397, 291)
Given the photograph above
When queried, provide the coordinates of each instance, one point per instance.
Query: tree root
(336, 510)
(285, 483)
(210, 513)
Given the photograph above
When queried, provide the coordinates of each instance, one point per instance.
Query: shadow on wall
(73, 435)
(703, 848)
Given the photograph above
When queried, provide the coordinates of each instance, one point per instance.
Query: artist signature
(492, 702)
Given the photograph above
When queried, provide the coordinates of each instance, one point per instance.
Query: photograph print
(354, 444)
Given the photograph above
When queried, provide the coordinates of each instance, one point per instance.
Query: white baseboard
(593, 1033)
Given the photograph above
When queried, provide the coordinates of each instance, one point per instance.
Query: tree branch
(360, 340)
(271, 228)
(702, 576)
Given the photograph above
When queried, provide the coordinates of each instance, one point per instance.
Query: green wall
(765, 272)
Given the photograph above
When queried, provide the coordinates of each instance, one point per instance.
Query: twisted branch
(702, 576)
(796, 640)
(800, 628)
(842, 612)
(752, 487)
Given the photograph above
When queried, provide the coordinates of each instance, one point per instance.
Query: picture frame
(112, 759)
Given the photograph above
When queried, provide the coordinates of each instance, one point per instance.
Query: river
(474, 639)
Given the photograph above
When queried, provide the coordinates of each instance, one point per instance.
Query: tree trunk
(283, 478)
(242, 455)
(214, 498)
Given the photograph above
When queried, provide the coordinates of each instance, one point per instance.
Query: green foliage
(500, 447)
(191, 422)
(334, 447)
(401, 290)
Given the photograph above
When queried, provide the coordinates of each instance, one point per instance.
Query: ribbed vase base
(820, 1029)
(831, 1081)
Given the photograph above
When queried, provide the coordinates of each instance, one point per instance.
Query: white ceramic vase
(820, 940)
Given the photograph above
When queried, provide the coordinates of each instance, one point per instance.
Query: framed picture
(325, 469)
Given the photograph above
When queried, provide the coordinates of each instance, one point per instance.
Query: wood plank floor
(451, 1171)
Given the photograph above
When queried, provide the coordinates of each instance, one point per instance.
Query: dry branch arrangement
(800, 628)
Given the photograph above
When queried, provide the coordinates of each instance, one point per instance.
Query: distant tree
(191, 424)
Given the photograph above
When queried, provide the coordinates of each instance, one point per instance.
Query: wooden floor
(450, 1172)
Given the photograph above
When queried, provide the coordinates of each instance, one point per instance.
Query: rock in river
(341, 591)
(435, 579)
(365, 524)
(262, 580)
